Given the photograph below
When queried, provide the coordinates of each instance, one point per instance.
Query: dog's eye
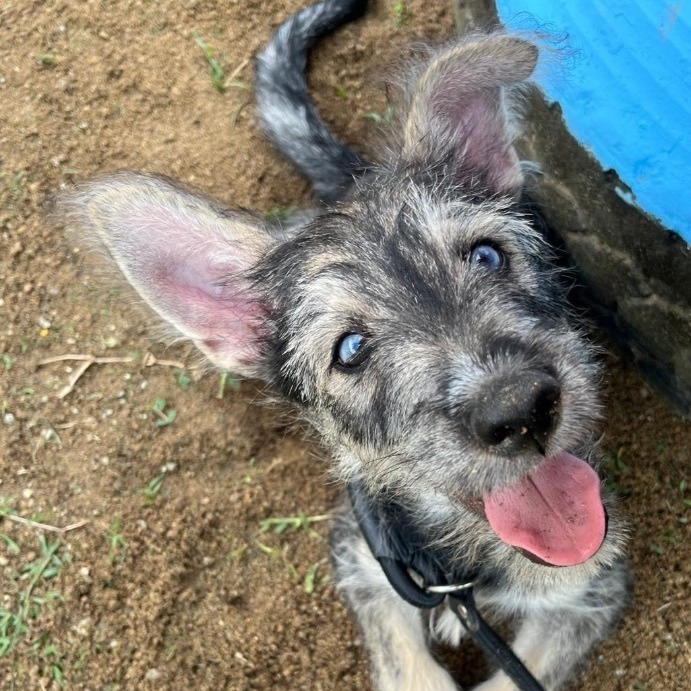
(487, 257)
(350, 350)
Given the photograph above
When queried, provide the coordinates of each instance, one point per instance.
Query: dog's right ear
(186, 257)
(459, 111)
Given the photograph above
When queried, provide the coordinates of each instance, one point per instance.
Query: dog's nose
(516, 412)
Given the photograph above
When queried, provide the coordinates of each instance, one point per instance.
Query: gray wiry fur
(452, 348)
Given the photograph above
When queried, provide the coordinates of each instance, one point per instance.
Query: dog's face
(427, 339)
(404, 318)
(418, 325)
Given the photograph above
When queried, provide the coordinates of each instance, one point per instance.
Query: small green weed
(12, 546)
(216, 65)
(165, 418)
(384, 119)
(50, 661)
(281, 524)
(401, 14)
(237, 553)
(7, 361)
(279, 213)
(227, 380)
(272, 552)
(217, 69)
(182, 378)
(342, 93)
(310, 582)
(116, 542)
(281, 555)
(153, 489)
(48, 59)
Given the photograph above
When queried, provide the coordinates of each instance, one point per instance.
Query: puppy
(415, 319)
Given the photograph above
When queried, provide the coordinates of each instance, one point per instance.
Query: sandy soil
(168, 582)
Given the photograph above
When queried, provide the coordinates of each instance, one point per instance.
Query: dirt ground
(166, 579)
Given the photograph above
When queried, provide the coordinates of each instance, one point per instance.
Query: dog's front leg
(394, 631)
(555, 637)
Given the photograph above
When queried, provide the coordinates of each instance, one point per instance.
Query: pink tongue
(555, 513)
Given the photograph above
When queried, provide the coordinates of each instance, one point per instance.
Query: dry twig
(236, 72)
(45, 526)
(150, 360)
(88, 360)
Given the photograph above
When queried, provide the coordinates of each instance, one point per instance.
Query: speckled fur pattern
(387, 253)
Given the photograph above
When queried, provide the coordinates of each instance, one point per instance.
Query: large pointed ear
(459, 111)
(185, 255)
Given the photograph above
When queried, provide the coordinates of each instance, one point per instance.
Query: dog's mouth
(554, 514)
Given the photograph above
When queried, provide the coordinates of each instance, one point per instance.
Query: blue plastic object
(625, 91)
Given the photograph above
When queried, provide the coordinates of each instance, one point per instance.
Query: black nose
(516, 412)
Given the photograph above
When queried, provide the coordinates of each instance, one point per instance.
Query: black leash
(399, 548)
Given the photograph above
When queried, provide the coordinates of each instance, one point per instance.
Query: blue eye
(350, 350)
(486, 256)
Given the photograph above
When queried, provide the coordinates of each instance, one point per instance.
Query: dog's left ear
(188, 258)
(458, 111)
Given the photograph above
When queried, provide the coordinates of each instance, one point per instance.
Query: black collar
(397, 544)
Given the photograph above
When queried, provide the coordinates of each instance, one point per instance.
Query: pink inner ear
(189, 264)
(484, 142)
(215, 307)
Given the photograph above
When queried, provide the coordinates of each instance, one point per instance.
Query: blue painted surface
(625, 91)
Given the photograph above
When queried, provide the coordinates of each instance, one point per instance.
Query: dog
(415, 318)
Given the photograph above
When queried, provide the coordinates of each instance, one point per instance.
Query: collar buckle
(449, 589)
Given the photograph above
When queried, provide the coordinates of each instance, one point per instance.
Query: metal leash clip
(449, 589)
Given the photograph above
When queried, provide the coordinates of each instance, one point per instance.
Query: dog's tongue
(555, 513)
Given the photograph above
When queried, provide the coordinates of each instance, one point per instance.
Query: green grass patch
(30, 591)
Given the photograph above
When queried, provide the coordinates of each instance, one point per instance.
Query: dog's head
(418, 325)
